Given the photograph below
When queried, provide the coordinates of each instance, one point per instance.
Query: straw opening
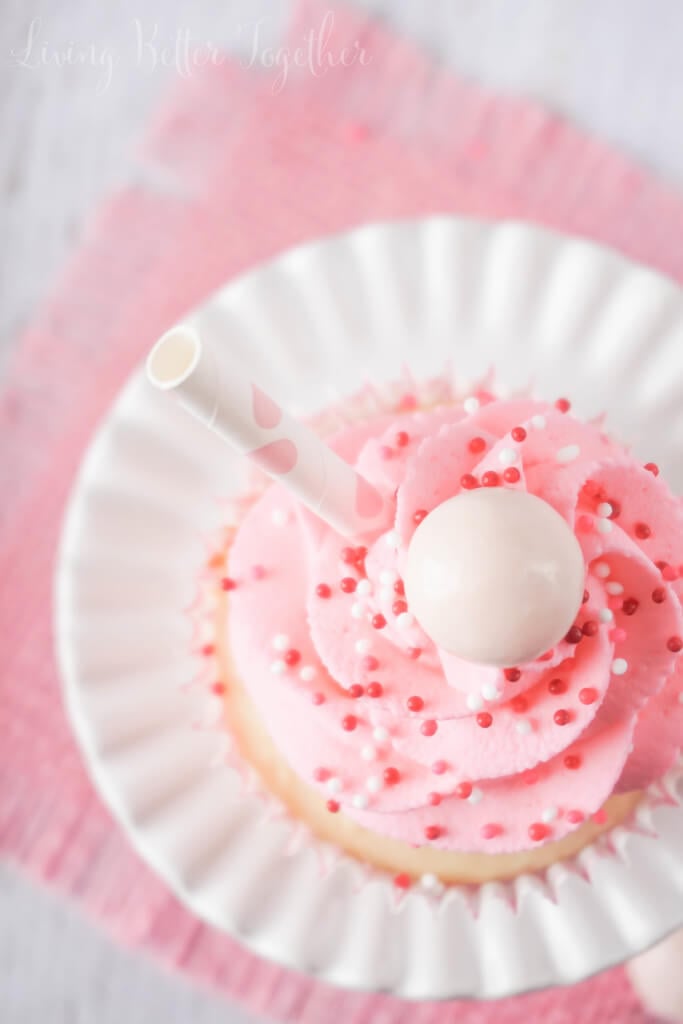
(173, 358)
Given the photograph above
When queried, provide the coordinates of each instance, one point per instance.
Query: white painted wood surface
(67, 137)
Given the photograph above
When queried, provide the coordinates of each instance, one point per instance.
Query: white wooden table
(67, 136)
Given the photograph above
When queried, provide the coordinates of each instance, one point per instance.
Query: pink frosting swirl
(362, 703)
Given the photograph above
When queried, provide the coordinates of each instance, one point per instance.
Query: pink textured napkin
(231, 173)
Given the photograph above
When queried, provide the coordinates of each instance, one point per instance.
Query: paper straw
(231, 405)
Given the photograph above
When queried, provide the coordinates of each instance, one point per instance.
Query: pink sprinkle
(258, 572)
(318, 698)
(530, 779)
(414, 652)
(575, 817)
(434, 799)
(407, 402)
(385, 452)
(428, 728)
(669, 573)
(491, 830)
(600, 817)
(584, 524)
(356, 131)
(617, 635)
(370, 662)
(439, 767)
(321, 774)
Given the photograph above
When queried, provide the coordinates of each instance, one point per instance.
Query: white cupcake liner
(566, 315)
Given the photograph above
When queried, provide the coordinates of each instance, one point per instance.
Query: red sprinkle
(512, 674)
(484, 720)
(463, 790)
(378, 621)
(490, 478)
(419, 516)
(227, 583)
(218, 688)
(207, 650)
(414, 652)
(616, 509)
(642, 531)
(575, 817)
(575, 635)
(361, 552)
(415, 703)
(333, 806)
(321, 774)
(491, 830)
(432, 832)
(348, 555)
(518, 434)
(428, 728)
(562, 716)
(434, 799)
(323, 590)
(369, 662)
(400, 606)
(600, 817)
(557, 686)
(403, 881)
(349, 723)
(374, 690)
(476, 445)
(399, 588)
(519, 704)
(652, 467)
(291, 657)
(675, 644)
(402, 439)
(586, 597)
(588, 695)
(658, 595)
(669, 573)
(538, 831)
(348, 584)
(630, 606)
(563, 404)
(590, 627)
(391, 776)
(356, 691)
(439, 767)
(468, 482)
(511, 475)
(572, 761)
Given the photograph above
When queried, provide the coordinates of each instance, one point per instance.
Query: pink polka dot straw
(213, 390)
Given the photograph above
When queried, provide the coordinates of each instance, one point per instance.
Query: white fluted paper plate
(571, 317)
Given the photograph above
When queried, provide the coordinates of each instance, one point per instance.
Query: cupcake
(482, 678)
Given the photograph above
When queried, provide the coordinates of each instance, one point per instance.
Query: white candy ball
(495, 576)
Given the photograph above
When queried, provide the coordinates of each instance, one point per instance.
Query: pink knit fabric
(232, 173)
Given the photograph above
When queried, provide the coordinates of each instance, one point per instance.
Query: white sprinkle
(405, 620)
(357, 610)
(334, 786)
(430, 882)
(602, 570)
(362, 646)
(568, 453)
(388, 577)
(619, 666)
(281, 642)
(307, 673)
(474, 702)
(386, 595)
(380, 734)
(392, 538)
(604, 525)
(680, 697)
(373, 784)
(538, 422)
(360, 801)
(368, 753)
(614, 588)
(278, 667)
(364, 587)
(605, 509)
(605, 615)
(507, 456)
(475, 797)
(490, 691)
(549, 815)
(279, 517)
(523, 727)
(471, 404)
